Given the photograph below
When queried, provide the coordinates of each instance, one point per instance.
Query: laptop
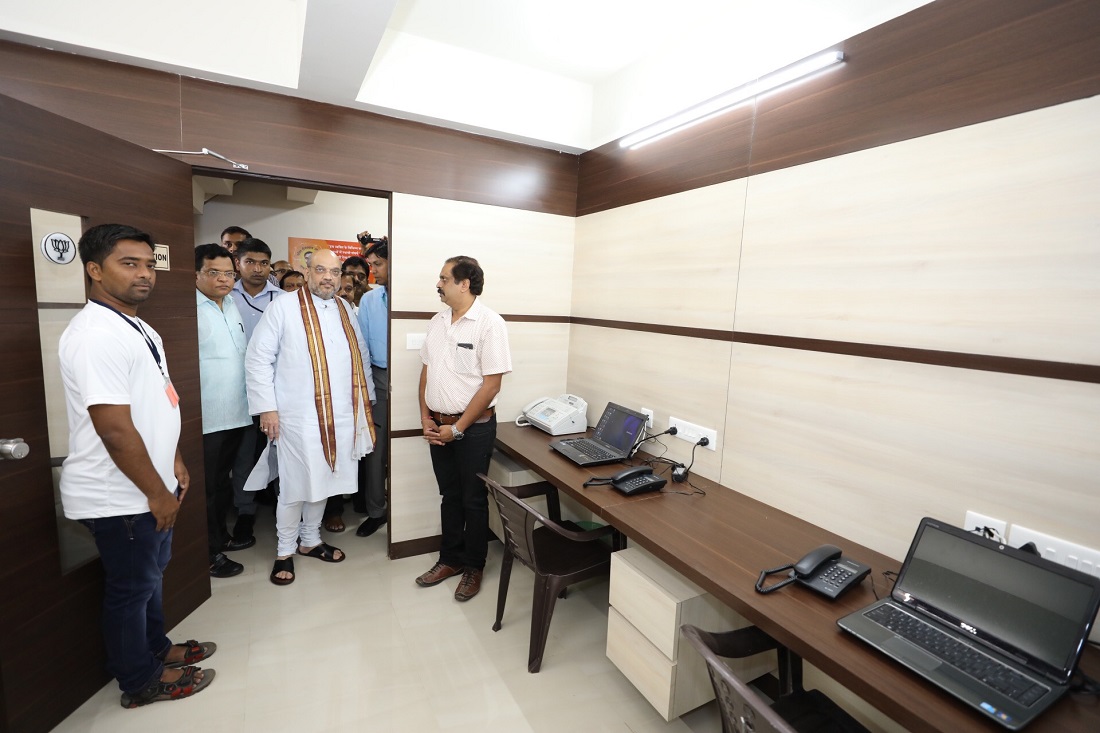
(615, 435)
(999, 628)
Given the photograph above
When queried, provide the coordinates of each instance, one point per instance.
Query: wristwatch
(457, 434)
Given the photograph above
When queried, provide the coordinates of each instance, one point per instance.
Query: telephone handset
(823, 569)
(636, 480)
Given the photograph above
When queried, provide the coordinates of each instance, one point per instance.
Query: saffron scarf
(364, 436)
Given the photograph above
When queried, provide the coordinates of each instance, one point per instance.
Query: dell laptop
(997, 627)
(612, 440)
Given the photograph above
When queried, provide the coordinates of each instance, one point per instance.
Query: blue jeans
(134, 555)
(464, 506)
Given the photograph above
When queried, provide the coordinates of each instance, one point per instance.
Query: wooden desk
(722, 540)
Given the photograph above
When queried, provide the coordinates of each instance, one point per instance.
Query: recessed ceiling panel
(257, 40)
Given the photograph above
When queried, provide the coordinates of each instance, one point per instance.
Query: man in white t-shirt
(124, 477)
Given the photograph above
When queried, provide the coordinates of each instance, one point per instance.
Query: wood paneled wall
(945, 65)
(288, 137)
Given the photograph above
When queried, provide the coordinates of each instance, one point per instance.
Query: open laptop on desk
(615, 435)
(999, 628)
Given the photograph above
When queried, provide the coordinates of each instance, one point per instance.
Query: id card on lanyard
(169, 389)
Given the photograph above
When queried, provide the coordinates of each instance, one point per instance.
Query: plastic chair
(558, 555)
(744, 709)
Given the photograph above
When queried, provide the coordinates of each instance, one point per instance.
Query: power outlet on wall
(974, 521)
(692, 432)
(648, 418)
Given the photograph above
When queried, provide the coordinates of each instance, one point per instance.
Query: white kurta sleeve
(259, 361)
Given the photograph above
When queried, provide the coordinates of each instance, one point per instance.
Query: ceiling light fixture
(729, 100)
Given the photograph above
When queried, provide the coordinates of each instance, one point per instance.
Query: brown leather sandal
(185, 686)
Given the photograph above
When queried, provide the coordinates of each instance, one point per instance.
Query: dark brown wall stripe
(945, 65)
(958, 360)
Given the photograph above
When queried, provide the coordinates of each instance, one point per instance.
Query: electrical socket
(975, 520)
(1063, 552)
(692, 432)
(648, 418)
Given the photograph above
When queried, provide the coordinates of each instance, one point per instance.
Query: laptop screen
(1020, 603)
(619, 426)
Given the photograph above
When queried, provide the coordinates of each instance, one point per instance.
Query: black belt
(442, 418)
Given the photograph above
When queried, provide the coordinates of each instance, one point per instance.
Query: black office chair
(743, 709)
(559, 554)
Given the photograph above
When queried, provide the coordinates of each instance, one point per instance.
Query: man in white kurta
(319, 438)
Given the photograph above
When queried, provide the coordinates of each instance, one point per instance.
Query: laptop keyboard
(591, 449)
(963, 657)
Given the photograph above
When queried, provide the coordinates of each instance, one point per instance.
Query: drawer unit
(649, 603)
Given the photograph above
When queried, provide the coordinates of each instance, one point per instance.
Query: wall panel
(672, 260)
(866, 448)
(945, 242)
(672, 375)
(527, 256)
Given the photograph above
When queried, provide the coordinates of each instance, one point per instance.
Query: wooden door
(51, 651)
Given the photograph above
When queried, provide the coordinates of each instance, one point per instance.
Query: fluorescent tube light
(724, 102)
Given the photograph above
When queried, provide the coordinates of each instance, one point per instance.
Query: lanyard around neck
(137, 327)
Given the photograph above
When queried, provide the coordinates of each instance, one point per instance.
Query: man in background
(307, 381)
(225, 415)
(292, 281)
(465, 355)
(253, 293)
(374, 322)
(358, 269)
(278, 269)
(232, 237)
(124, 477)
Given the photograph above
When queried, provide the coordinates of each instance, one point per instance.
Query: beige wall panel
(980, 240)
(52, 322)
(414, 494)
(527, 256)
(405, 368)
(672, 375)
(866, 447)
(671, 260)
(539, 365)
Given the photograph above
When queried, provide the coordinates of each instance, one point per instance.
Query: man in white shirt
(124, 477)
(225, 413)
(307, 380)
(253, 293)
(465, 355)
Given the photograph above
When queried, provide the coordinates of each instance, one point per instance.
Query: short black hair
(467, 268)
(289, 273)
(99, 242)
(206, 252)
(355, 261)
(253, 245)
(234, 230)
(380, 247)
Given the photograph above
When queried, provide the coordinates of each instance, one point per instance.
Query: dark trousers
(253, 442)
(219, 451)
(371, 495)
(134, 555)
(464, 506)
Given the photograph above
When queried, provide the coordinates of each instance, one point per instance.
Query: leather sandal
(193, 652)
(185, 686)
(324, 552)
(283, 566)
(335, 524)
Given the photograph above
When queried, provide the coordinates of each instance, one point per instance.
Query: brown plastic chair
(559, 556)
(744, 709)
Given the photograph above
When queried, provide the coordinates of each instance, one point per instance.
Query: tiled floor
(357, 646)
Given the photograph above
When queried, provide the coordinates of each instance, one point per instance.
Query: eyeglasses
(321, 271)
(218, 274)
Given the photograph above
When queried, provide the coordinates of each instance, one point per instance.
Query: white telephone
(557, 416)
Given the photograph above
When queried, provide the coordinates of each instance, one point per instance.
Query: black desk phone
(637, 480)
(824, 570)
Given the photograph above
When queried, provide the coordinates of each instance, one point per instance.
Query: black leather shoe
(222, 567)
(370, 526)
(233, 544)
